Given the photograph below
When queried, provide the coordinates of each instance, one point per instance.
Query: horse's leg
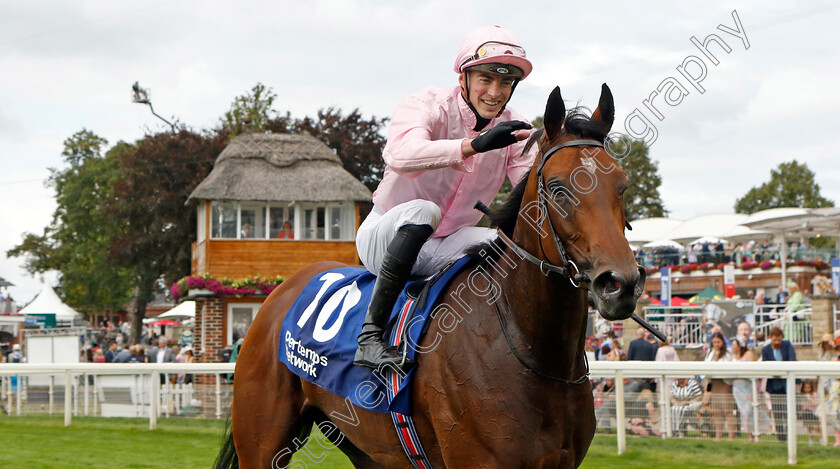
(268, 413)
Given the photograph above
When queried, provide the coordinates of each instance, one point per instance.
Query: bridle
(577, 278)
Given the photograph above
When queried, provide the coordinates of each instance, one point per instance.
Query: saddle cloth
(319, 334)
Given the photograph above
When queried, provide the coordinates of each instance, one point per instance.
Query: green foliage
(791, 184)
(642, 199)
(251, 111)
(76, 243)
(357, 141)
(155, 227)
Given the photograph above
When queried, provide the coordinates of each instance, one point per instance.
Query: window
(278, 220)
(240, 316)
(281, 222)
(202, 218)
(223, 220)
(252, 221)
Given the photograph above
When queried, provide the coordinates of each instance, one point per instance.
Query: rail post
(68, 398)
(218, 396)
(619, 412)
(154, 383)
(791, 416)
(665, 404)
(821, 409)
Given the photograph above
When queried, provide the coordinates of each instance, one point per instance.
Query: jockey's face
(488, 92)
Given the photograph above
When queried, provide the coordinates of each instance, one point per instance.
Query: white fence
(822, 372)
(684, 325)
(115, 389)
(687, 325)
(78, 398)
(795, 324)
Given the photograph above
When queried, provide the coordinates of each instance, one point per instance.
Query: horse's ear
(555, 114)
(606, 108)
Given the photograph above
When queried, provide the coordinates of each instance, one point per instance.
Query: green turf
(44, 442)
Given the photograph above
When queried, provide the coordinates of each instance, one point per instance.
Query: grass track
(44, 442)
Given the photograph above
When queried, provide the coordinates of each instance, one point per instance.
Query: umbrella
(708, 239)
(166, 322)
(664, 243)
(678, 301)
(5, 283)
(709, 293)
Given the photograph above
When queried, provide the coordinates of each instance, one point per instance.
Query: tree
(357, 141)
(791, 184)
(156, 228)
(76, 243)
(641, 200)
(251, 111)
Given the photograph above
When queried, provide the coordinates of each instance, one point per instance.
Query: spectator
(686, 398)
(124, 356)
(778, 350)
(796, 299)
(16, 356)
(188, 358)
(806, 408)
(134, 357)
(604, 396)
(666, 353)
(98, 356)
(616, 354)
(826, 347)
(760, 343)
(742, 388)
(247, 231)
(186, 337)
(745, 333)
(640, 348)
(111, 353)
(286, 232)
(721, 389)
(162, 354)
(141, 354)
(605, 352)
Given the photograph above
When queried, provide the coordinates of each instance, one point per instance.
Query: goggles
(493, 49)
(500, 69)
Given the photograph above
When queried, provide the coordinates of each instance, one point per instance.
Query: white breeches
(379, 229)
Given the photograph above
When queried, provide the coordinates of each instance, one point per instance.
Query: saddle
(319, 333)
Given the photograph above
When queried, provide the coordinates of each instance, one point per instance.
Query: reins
(565, 270)
(582, 379)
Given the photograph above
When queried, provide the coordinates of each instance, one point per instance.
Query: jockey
(447, 148)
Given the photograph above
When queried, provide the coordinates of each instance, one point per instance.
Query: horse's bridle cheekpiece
(567, 263)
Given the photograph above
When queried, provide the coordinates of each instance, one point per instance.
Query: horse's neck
(546, 316)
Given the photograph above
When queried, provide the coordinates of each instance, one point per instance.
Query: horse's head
(575, 190)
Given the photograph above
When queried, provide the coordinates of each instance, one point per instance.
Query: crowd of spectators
(713, 407)
(723, 253)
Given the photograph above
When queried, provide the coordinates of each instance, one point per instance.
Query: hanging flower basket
(225, 287)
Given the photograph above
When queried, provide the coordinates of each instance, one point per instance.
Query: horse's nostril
(608, 284)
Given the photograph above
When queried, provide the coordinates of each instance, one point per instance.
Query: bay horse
(507, 385)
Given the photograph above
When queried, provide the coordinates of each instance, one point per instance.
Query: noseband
(567, 264)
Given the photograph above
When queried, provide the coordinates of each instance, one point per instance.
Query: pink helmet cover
(468, 50)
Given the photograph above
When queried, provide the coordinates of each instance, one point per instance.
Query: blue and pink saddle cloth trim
(319, 341)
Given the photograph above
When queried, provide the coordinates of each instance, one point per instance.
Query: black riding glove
(499, 136)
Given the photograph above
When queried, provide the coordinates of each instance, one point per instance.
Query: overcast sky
(70, 65)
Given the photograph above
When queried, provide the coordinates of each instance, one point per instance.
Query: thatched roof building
(279, 167)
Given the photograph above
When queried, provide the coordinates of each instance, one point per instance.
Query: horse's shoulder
(299, 279)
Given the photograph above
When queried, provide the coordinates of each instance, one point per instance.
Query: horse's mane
(578, 123)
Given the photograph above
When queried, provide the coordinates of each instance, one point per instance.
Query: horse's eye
(558, 191)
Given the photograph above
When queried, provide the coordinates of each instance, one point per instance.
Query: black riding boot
(373, 350)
